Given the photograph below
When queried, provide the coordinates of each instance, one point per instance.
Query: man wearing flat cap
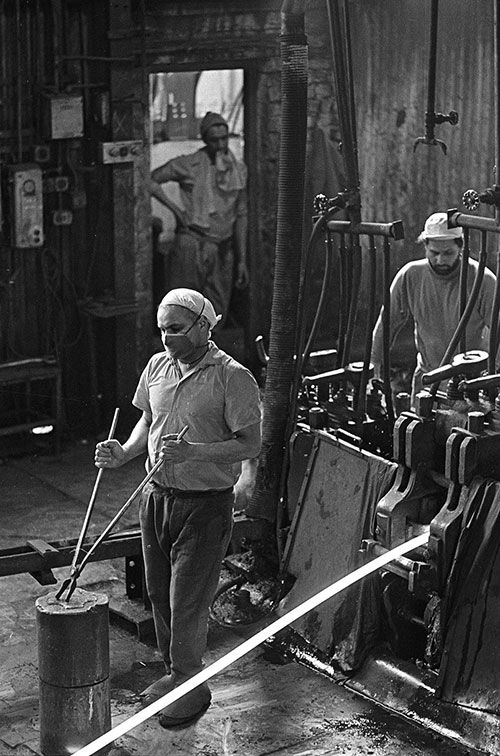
(210, 246)
(186, 509)
(428, 291)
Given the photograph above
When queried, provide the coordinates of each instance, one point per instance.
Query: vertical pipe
(355, 261)
(431, 93)
(344, 299)
(386, 329)
(280, 379)
(495, 311)
(350, 86)
(370, 322)
(464, 270)
(19, 82)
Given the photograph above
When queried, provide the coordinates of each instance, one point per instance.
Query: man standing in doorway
(210, 246)
(428, 291)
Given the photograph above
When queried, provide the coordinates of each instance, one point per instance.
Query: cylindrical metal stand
(73, 660)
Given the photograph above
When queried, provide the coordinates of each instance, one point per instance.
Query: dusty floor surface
(259, 707)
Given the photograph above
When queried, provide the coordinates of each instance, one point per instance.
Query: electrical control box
(65, 116)
(26, 187)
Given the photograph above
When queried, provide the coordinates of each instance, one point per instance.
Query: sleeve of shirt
(177, 169)
(400, 313)
(242, 400)
(141, 396)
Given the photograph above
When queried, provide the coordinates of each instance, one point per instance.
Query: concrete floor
(260, 707)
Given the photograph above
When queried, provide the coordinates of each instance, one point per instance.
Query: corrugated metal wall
(390, 44)
(57, 45)
(391, 48)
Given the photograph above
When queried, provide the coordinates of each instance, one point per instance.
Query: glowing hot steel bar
(251, 643)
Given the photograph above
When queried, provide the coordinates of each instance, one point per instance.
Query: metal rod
(344, 300)
(457, 219)
(244, 648)
(464, 270)
(350, 83)
(121, 512)
(370, 322)
(386, 329)
(355, 256)
(19, 86)
(90, 506)
(393, 230)
(495, 311)
(100, 58)
(431, 91)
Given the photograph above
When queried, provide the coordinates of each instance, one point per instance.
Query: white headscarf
(194, 301)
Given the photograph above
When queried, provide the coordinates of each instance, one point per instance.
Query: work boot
(156, 690)
(191, 706)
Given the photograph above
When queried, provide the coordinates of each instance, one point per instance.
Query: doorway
(178, 102)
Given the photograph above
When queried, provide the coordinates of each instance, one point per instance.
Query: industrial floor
(260, 706)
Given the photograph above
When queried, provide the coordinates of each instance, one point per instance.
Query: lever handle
(469, 364)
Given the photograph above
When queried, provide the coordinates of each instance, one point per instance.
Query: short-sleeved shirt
(215, 400)
(433, 301)
(207, 205)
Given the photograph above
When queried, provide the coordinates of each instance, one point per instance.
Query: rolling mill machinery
(366, 469)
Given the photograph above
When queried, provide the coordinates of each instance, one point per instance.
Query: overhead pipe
(271, 468)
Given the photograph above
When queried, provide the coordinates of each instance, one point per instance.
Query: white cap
(194, 301)
(436, 227)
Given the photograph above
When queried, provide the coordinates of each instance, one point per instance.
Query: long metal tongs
(70, 583)
(88, 514)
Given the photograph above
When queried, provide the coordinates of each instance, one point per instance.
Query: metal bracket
(121, 152)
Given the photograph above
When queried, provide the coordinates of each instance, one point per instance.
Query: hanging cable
(370, 320)
(320, 306)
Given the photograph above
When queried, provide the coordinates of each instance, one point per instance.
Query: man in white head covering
(186, 509)
(428, 291)
(211, 234)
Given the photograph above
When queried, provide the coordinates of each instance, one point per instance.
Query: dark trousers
(184, 541)
(204, 265)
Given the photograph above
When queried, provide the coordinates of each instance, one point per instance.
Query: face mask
(178, 344)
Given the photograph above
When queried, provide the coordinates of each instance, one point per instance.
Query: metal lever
(468, 364)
